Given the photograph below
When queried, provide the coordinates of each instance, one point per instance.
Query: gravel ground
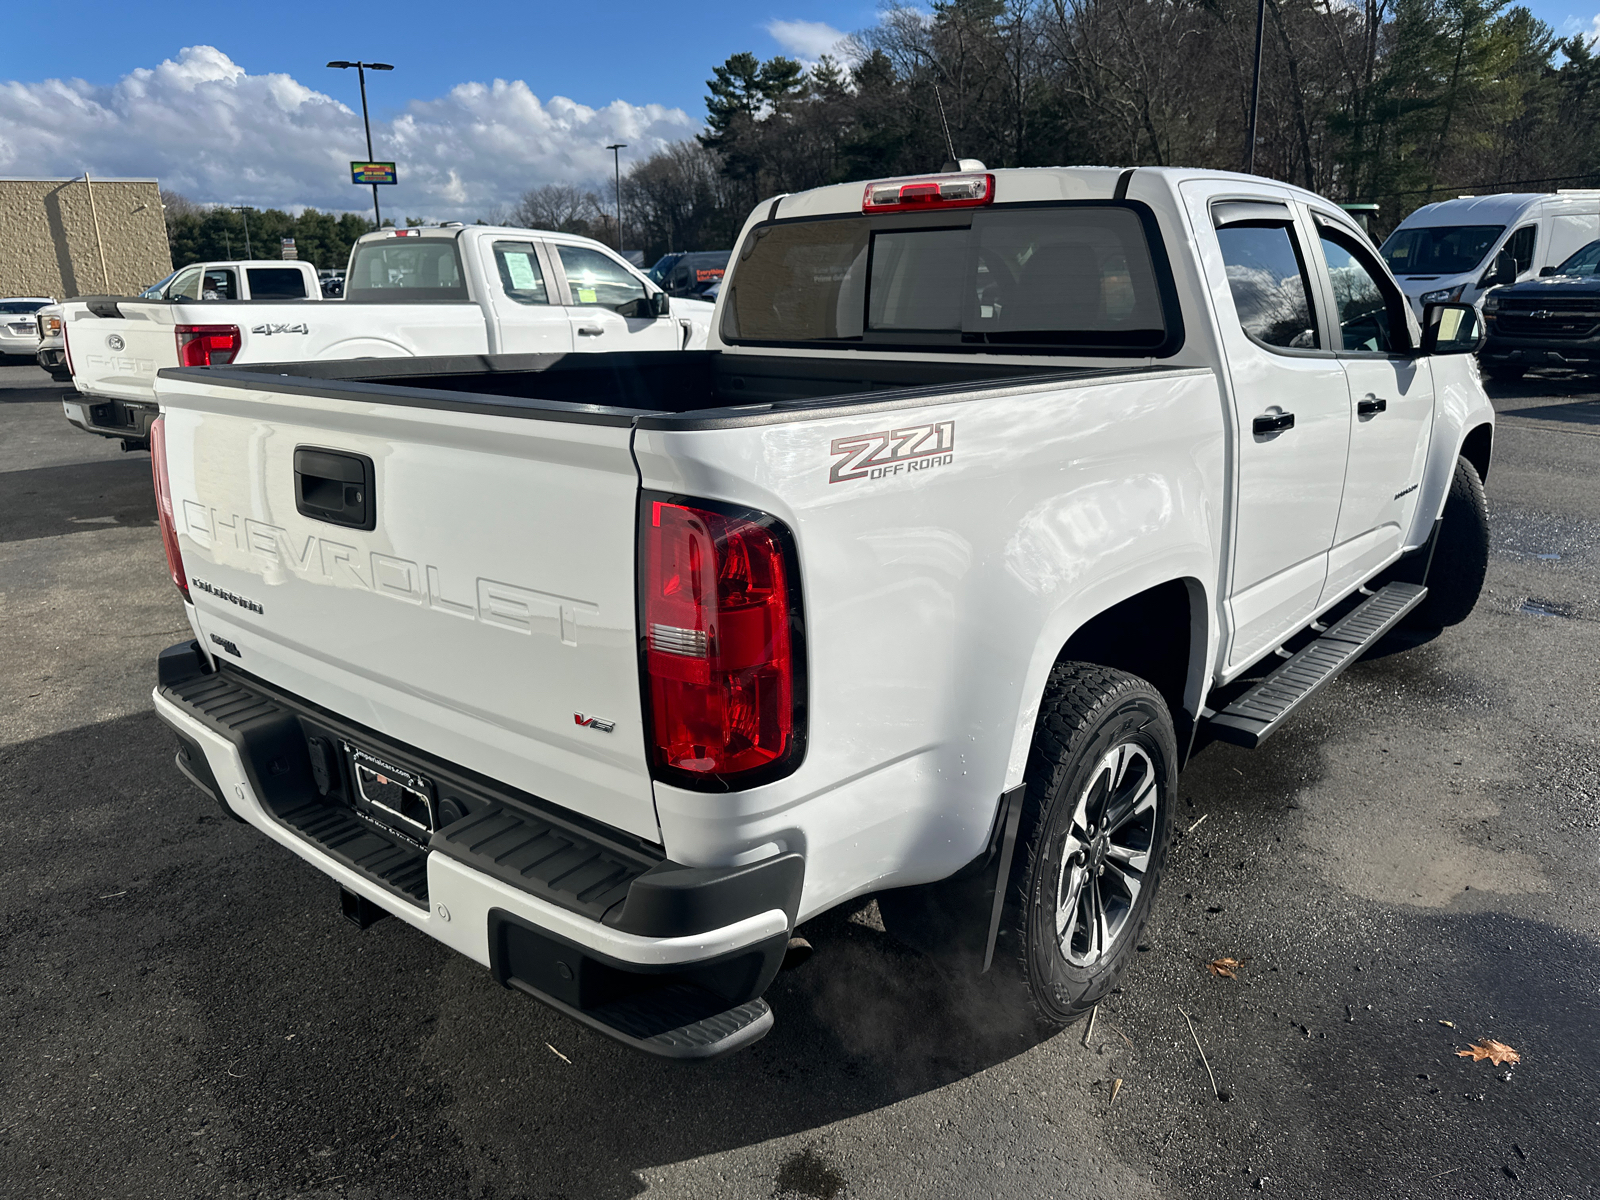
(1409, 867)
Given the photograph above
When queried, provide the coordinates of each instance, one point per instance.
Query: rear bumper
(596, 924)
(111, 418)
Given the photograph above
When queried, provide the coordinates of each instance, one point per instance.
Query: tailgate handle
(336, 487)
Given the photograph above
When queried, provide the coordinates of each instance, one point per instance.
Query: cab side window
(521, 277)
(1366, 307)
(1271, 288)
(597, 279)
(219, 284)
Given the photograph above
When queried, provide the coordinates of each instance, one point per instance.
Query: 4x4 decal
(875, 455)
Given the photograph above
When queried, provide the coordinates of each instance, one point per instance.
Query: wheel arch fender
(1153, 623)
(1478, 447)
(1463, 424)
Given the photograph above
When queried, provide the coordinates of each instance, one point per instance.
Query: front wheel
(1096, 826)
(1460, 555)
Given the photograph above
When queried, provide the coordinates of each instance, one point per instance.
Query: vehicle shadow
(186, 961)
(76, 498)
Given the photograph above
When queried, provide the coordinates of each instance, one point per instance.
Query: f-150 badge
(892, 452)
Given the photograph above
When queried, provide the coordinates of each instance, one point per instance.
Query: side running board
(1257, 714)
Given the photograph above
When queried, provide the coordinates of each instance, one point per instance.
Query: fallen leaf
(1226, 968)
(1498, 1053)
(1116, 1086)
(1449, 1024)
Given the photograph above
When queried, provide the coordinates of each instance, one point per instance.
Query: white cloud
(206, 127)
(810, 40)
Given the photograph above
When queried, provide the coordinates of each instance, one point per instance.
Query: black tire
(1088, 713)
(1460, 556)
(1505, 372)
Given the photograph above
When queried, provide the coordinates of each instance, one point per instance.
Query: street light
(361, 71)
(616, 161)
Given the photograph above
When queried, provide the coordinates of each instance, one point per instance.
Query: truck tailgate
(487, 616)
(116, 356)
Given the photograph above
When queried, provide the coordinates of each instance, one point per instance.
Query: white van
(1446, 252)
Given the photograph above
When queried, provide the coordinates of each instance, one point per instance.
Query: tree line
(1393, 102)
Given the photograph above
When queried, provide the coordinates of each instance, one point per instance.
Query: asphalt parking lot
(1408, 868)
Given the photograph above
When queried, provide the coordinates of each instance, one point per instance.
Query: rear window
(401, 270)
(1080, 278)
(276, 283)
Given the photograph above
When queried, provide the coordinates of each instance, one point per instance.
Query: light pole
(361, 72)
(616, 149)
(1255, 91)
(244, 211)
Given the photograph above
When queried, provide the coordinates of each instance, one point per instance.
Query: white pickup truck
(431, 290)
(994, 496)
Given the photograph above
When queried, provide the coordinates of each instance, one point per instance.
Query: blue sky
(234, 104)
(644, 53)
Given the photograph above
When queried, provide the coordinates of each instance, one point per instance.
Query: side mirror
(1505, 269)
(1451, 329)
(660, 304)
(1546, 272)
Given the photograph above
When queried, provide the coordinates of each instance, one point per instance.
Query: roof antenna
(953, 163)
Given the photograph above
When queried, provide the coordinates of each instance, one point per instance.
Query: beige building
(81, 237)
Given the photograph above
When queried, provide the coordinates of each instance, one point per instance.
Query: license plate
(397, 794)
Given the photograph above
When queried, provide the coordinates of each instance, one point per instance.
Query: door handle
(1273, 423)
(590, 331)
(1370, 406)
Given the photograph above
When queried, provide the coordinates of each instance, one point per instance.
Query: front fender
(1460, 405)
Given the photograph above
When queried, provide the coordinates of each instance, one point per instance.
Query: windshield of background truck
(402, 269)
(1078, 276)
(1439, 249)
(18, 307)
(1584, 262)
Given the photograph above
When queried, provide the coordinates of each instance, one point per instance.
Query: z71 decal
(892, 452)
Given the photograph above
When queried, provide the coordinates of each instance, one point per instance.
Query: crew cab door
(1391, 406)
(526, 315)
(1291, 411)
(598, 285)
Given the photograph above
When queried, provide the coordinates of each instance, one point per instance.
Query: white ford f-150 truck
(994, 495)
(408, 292)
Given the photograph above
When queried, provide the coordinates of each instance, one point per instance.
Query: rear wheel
(1096, 825)
(1460, 555)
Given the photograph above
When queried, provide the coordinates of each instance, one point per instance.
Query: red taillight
(722, 657)
(206, 345)
(934, 191)
(169, 527)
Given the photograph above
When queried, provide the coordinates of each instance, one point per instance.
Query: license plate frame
(392, 795)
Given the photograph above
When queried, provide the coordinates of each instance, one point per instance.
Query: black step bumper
(606, 968)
